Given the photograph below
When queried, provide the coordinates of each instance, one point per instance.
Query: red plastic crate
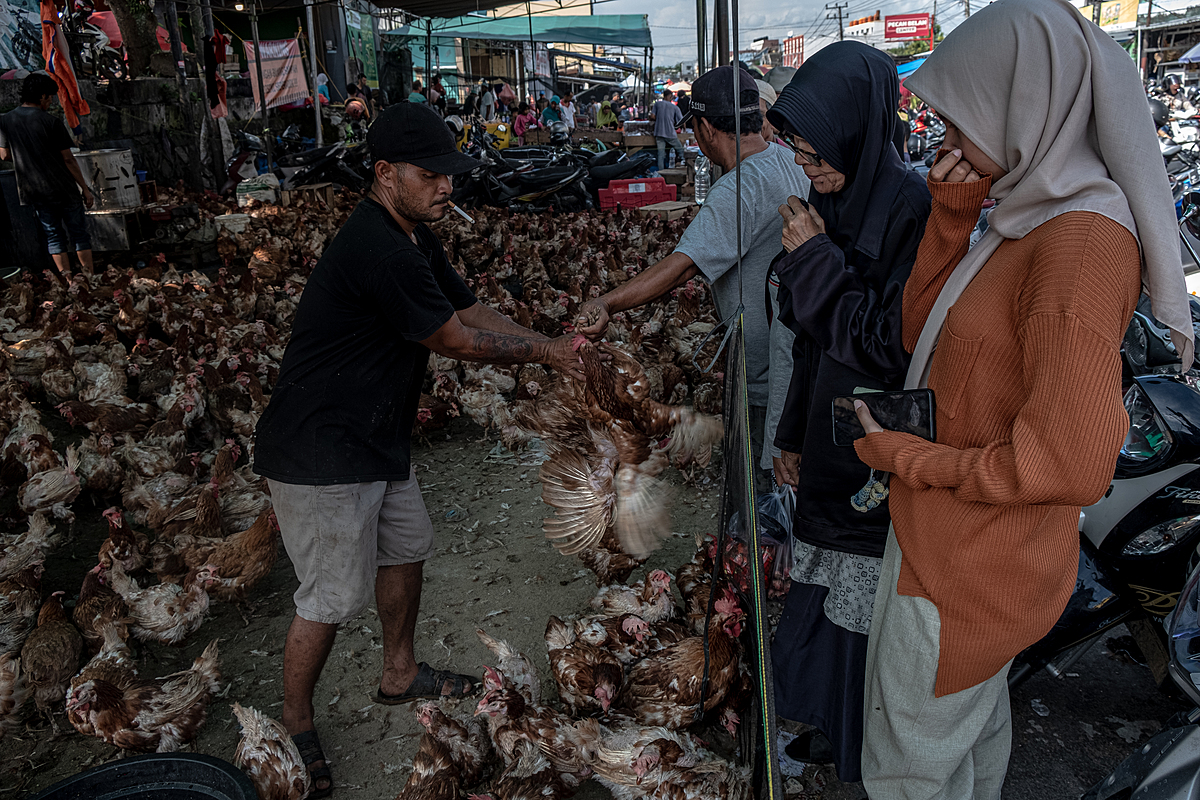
(638, 185)
(611, 199)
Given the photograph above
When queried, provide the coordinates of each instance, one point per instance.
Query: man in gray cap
(334, 443)
(709, 245)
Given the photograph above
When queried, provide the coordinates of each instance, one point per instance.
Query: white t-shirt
(488, 104)
(567, 111)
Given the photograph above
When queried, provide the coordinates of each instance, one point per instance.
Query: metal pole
(701, 35)
(262, 89)
(428, 54)
(649, 84)
(312, 57)
(721, 23)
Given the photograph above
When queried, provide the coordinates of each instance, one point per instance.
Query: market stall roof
(442, 8)
(1191, 56)
(614, 30)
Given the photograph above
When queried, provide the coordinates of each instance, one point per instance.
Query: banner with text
(282, 72)
(906, 26)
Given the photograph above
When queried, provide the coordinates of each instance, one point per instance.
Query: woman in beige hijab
(1019, 338)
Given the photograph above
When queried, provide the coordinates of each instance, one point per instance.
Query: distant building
(763, 53)
(793, 51)
(868, 30)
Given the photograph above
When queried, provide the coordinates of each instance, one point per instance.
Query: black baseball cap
(712, 94)
(416, 134)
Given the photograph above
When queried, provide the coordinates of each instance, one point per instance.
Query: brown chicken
(588, 677)
(239, 562)
(99, 607)
(269, 757)
(628, 637)
(107, 417)
(605, 455)
(51, 656)
(515, 666)
(434, 776)
(169, 612)
(628, 761)
(52, 490)
(13, 693)
(531, 777)
(521, 730)
(99, 469)
(20, 599)
(147, 715)
(665, 688)
(649, 599)
(468, 746)
(23, 550)
(123, 544)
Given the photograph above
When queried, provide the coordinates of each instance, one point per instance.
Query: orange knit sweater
(1027, 383)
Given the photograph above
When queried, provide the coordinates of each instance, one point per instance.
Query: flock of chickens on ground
(169, 373)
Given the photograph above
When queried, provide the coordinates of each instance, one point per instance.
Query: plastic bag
(776, 511)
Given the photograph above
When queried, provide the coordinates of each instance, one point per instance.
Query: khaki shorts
(337, 536)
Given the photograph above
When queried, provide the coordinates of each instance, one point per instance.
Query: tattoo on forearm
(501, 348)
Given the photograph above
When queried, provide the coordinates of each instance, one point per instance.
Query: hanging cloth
(58, 64)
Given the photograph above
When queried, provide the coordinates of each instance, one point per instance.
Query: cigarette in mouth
(460, 212)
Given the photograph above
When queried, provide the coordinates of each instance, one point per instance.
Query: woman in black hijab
(849, 250)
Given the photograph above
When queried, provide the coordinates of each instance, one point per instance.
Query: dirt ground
(493, 569)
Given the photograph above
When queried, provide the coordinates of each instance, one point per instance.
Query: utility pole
(967, 7)
(838, 7)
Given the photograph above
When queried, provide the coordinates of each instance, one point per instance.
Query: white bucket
(111, 177)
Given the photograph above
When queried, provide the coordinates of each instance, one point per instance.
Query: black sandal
(310, 752)
(427, 685)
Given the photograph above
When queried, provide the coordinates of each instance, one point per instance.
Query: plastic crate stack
(636, 193)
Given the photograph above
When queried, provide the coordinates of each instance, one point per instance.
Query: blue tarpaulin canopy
(614, 30)
(1191, 56)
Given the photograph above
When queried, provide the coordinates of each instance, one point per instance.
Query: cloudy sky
(673, 22)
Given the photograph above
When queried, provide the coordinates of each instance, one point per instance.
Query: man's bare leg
(62, 262)
(398, 599)
(85, 261)
(304, 655)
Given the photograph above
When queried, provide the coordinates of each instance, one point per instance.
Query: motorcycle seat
(305, 158)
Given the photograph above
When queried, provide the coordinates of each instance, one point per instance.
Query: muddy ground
(494, 570)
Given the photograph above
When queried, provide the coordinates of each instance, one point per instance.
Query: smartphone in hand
(907, 411)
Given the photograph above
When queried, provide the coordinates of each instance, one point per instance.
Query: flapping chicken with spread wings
(608, 442)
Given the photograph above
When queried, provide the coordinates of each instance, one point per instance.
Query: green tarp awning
(614, 30)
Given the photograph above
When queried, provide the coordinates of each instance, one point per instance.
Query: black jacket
(845, 309)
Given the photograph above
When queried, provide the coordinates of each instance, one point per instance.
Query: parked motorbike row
(534, 178)
(560, 175)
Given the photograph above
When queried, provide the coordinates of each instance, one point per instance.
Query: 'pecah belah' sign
(906, 26)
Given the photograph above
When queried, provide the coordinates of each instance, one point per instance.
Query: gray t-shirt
(667, 117)
(768, 178)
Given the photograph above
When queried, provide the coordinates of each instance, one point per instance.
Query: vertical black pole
(262, 89)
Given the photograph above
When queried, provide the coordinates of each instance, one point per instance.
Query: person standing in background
(48, 177)
(365, 91)
(666, 118)
(416, 96)
(567, 109)
(524, 122)
(487, 108)
(766, 98)
(551, 112)
(684, 103)
(709, 246)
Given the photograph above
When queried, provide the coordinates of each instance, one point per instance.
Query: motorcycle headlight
(1161, 537)
(1148, 441)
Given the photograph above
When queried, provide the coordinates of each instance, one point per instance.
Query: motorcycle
(1168, 766)
(558, 180)
(341, 164)
(1138, 542)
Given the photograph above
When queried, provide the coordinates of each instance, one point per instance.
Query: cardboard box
(322, 192)
(671, 209)
(677, 175)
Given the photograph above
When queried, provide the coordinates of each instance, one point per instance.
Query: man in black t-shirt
(334, 441)
(48, 177)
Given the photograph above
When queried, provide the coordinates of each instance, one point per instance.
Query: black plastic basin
(161, 776)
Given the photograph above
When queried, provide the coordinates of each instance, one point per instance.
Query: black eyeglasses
(811, 158)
